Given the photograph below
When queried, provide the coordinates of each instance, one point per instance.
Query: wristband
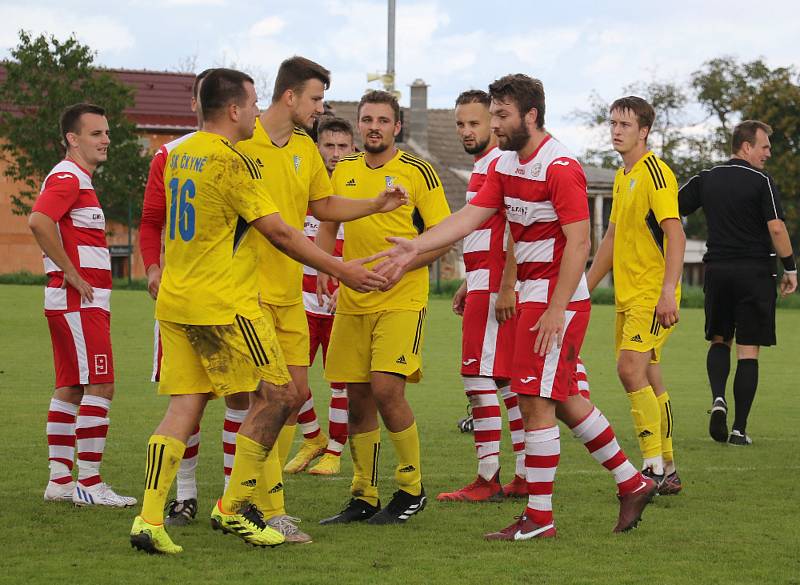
(789, 264)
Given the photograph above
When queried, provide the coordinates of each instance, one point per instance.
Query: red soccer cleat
(479, 490)
(517, 488)
(523, 529)
(632, 505)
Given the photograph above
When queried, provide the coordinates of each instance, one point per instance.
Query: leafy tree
(44, 76)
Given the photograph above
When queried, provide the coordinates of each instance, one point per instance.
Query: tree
(44, 76)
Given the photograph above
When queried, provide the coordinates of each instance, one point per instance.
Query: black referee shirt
(738, 201)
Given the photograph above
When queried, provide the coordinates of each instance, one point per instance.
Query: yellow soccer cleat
(309, 450)
(152, 538)
(329, 464)
(248, 524)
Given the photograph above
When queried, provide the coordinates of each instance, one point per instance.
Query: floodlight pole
(390, 48)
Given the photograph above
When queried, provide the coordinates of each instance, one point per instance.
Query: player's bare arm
(783, 246)
(459, 299)
(506, 305)
(326, 241)
(294, 244)
(667, 308)
(603, 259)
(335, 208)
(46, 233)
(424, 259)
(576, 252)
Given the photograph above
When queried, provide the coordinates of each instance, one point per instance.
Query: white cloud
(196, 2)
(267, 27)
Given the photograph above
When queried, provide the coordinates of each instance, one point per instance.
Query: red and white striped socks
(337, 420)
(542, 453)
(482, 395)
(61, 440)
(186, 478)
(307, 418)
(595, 432)
(582, 379)
(233, 420)
(516, 426)
(91, 428)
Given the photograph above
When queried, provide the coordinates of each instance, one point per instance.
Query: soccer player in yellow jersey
(645, 245)
(215, 339)
(298, 181)
(376, 340)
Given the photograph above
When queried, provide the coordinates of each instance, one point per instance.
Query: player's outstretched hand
(460, 299)
(551, 330)
(390, 199)
(788, 284)
(153, 280)
(355, 276)
(84, 288)
(667, 311)
(324, 284)
(333, 301)
(506, 305)
(400, 257)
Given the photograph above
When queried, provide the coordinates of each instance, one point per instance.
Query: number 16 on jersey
(181, 209)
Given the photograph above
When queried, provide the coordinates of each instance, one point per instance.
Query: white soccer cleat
(59, 492)
(100, 495)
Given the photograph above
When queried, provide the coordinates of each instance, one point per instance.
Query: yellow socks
(365, 449)
(647, 421)
(284, 443)
(164, 456)
(247, 473)
(665, 406)
(268, 496)
(407, 473)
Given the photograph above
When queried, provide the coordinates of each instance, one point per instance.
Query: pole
(390, 47)
(130, 240)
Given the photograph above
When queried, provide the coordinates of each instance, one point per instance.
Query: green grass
(735, 523)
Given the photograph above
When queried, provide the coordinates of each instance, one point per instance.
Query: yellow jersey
(296, 175)
(643, 198)
(366, 236)
(213, 192)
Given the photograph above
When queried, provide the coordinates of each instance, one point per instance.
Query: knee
(102, 390)
(628, 373)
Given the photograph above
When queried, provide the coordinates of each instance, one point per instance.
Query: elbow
(280, 237)
(34, 222)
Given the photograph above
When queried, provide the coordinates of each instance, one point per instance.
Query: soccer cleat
(739, 438)
(671, 485)
(632, 505)
(59, 492)
(287, 526)
(718, 424)
(357, 510)
(309, 450)
(656, 477)
(152, 538)
(523, 529)
(329, 464)
(479, 490)
(467, 424)
(516, 488)
(248, 524)
(100, 494)
(401, 508)
(181, 512)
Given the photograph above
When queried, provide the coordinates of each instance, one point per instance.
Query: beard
(376, 148)
(478, 148)
(516, 140)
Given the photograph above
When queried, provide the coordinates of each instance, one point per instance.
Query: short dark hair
(644, 112)
(293, 74)
(745, 131)
(200, 77)
(525, 91)
(220, 88)
(70, 120)
(473, 96)
(379, 96)
(334, 124)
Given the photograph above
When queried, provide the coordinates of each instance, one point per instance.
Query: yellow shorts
(638, 329)
(219, 359)
(291, 327)
(386, 341)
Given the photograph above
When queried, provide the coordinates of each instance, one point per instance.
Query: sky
(575, 48)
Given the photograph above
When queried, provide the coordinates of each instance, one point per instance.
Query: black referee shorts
(740, 299)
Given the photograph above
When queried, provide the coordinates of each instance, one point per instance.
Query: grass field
(735, 523)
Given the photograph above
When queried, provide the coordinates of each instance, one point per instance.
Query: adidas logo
(278, 487)
(350, 183)
(249, 483)
(644, 434)
(407, 469)
(637, 338)
(401, 360)
(259, 163)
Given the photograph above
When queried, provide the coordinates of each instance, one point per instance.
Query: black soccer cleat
(400, 509)
(739, 438)
(718, 424)
(181, 512)
(357, 510)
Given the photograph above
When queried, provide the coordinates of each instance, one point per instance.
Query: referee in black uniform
(745, 230)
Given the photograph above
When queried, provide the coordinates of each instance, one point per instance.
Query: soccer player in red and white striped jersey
(69, 226)
(543, 190)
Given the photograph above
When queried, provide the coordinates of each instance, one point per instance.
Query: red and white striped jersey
(540, 194)
(485, 249)
(68, 198)
(310, 229)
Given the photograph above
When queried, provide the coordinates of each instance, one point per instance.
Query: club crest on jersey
(297, 160)
(536, 169)
(390, 181)
(633, 182)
